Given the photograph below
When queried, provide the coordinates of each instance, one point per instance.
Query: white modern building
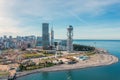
(52, 37)
(70, 39)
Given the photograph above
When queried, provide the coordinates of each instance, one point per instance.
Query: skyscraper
(45, 36)
(52, 37)
(70, 39)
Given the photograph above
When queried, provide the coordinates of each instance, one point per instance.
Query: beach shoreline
(108, 59)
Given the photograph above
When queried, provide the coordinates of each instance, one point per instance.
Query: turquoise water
(111, 72)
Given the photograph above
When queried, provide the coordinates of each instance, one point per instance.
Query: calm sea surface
(111, 72)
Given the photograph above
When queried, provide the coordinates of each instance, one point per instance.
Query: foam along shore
(95, 60)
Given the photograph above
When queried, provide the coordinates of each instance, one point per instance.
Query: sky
(91, 19)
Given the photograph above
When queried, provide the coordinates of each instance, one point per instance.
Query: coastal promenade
(95, 60)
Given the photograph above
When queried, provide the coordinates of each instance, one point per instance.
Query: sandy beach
(95, 60)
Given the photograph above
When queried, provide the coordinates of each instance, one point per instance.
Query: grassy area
(33, 67)
(73, 55)
(90, 53)
(48, 55)
(32, 55)
(36, 55)
(40, 66)
(2, 74)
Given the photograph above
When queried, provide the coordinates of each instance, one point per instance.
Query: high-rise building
(52, 37)
(45, 36)
(70, 39)
(39, 41)
(5, 37)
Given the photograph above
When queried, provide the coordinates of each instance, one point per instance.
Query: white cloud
(54, 8)
(12, 10)
(61, 8)
(8, 25)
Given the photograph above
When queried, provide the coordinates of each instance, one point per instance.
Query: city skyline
(92, 19)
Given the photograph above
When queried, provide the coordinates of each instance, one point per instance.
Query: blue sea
(110, 72)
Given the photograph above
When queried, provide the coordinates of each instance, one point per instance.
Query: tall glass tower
(45, 36)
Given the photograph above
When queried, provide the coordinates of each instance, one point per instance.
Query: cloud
(50, 10)
(53, 10)
(8, 25)
(16, 16)
(57, 9)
